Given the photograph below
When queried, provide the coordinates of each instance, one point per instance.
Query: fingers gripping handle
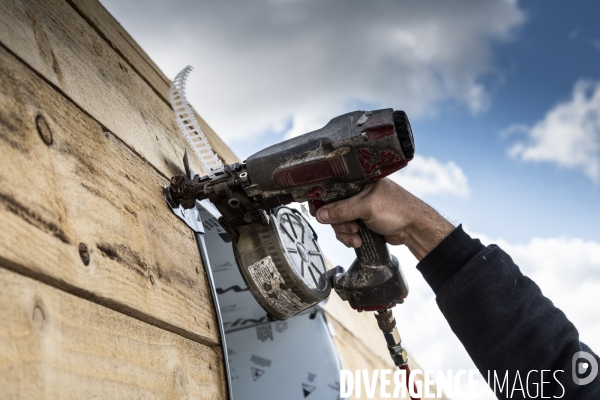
(373, 251)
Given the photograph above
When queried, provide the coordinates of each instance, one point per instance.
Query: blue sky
(555, 47)
(503, 96)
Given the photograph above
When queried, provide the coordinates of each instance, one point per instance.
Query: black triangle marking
(257, 373)
(307, 389)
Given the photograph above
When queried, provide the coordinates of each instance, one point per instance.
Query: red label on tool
(314, 171)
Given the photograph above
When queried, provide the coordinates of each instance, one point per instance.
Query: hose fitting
(387, 324)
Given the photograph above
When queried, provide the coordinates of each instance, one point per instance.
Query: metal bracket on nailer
(192, 219)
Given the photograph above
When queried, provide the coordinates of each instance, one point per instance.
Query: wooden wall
(103, 293)
(103, 290)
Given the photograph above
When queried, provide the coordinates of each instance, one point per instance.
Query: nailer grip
(373, 251)
(374, 281)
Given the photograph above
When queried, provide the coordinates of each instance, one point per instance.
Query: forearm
(500, 315)
(426, 231)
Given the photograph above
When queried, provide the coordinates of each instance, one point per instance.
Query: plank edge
(104, 302)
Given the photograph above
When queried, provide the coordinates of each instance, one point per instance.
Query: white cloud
(260, 64)
(568, 135)
(426, 176)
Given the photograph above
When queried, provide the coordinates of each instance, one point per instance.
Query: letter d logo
(582, 368)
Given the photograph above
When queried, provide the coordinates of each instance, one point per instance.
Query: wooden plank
(362, 325)
(54, 40)
(67, 186)
(51, 37)
(120, 40)
(57, 346)
(355, 355)
(215, 141)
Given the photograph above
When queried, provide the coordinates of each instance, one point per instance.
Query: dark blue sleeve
(504, 321)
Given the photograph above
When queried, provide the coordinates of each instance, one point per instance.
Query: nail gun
(276, 249)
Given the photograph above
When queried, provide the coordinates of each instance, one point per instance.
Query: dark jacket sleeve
(504, 321)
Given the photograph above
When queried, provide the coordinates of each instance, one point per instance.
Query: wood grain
(57, 346)
(215, 141)
(68, 189)
(122, 42)
(56, 41)
(356, 356)
(60, 45)
(363, 326)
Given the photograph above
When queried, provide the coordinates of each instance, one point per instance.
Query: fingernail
(323, 215)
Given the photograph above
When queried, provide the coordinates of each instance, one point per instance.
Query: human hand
(389, 210)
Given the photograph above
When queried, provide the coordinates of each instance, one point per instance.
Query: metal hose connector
(387, 324)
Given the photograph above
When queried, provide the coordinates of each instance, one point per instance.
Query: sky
(503, 97)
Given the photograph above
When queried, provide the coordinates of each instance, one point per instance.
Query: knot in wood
(38, 316)
(84, 254)
(43, 129)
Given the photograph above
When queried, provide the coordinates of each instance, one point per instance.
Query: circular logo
(580, 368)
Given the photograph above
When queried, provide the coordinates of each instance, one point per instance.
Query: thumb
(342, 211)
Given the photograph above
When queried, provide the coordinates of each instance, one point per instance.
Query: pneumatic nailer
(276, 249)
